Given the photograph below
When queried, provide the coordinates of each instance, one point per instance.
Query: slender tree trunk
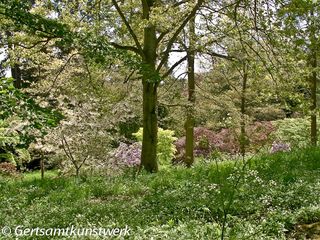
(313, 82)
(150, 85)
(243, 137)
(42, 166)
(190, 122)
(77, 172)
(314, 135)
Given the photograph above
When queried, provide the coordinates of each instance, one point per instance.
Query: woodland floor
(273, 197)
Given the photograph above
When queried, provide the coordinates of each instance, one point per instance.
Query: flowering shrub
(295, 131)
(165, 147)
(226, 140)
(127, 155)
(7, 169)
(280, 147)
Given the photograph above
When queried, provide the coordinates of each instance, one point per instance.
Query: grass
(37, 175)
(267, 200)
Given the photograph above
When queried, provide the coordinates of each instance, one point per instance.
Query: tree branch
(176, 64)
(133, 35)
(177, 32)
(122, 47)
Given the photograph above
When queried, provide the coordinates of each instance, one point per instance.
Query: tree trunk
(189, 125)
(243, 137)
(42, 166)
(150, 85)
(77, 172)
(314, 135)
(313, 82)
(150, 128)
(16, 74)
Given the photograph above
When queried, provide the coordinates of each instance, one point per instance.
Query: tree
(190, 122)
(299, 24)
(152, 45)
(152, 66)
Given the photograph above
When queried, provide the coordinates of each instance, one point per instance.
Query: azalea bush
(127, 155)
(280, 147)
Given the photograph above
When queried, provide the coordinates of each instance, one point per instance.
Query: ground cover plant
(179, 119)
(273, 197)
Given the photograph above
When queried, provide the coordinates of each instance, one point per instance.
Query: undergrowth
(265, 199)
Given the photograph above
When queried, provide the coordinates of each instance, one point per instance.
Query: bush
(226, 140)
(165, 147)
(9, 150)
(280, 147)
(293, 131)
(127, 155)
(7, 169)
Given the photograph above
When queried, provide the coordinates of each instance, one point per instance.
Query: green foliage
(37, 119)
(295, 131)
(22, 156)
(22, 120)
(276, 194)
(8, 141)
(9, 150)
(165, 147)
(129, 126)
(7, 137)
(18, 12)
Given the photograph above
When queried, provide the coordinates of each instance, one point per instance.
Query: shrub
(9, 151)
(226, 140)
(127, 155)
(280, 147)
(293, 131)
(7, 169)
(165, 147)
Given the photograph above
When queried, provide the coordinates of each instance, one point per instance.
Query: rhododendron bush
(127, 155)
(226, 140)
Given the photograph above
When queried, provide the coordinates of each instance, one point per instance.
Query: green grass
(37, 175)
(265, 201)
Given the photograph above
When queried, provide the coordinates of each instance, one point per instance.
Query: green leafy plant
(9, 150)
(37, 119)
(165, 147)
(293, 131)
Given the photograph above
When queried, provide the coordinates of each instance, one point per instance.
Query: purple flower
(128, 155)
(280, 147)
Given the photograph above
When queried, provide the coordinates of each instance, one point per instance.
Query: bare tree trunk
(313, 82)
(243, 137)
(189, 124)
(150, 127)
(16, 74)
(42, 166)
(150, 85)
(314, 130)
(77, 172)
